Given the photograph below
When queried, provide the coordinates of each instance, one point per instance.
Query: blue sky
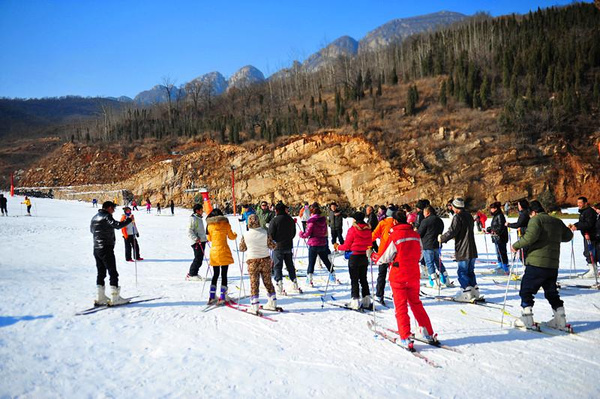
(121, 47)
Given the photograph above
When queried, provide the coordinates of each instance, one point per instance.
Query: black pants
(536, 277)
(219, 270)
(105, 261)
(501, 250)
(380, 290)
(4, 210)
(280, 256)
(335, 234)
(357, 266)
(131, 243)
(29, 209)
(198, 258)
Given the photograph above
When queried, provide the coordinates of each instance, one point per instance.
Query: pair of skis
(99, 308)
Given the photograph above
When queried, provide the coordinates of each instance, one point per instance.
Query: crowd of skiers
(398, 239)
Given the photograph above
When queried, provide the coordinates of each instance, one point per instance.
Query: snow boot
(254, 305)
(424, 335)
(115, 297)
(590, 273)
(354, 304)
(212, 295)
(526, 319)
(559, 321)
(366, 302)
(465, 295)
(101, 298)
(279, 287)
(309, 280)
(475, 292)
(271, 303)
(224, 297)
(332, 279)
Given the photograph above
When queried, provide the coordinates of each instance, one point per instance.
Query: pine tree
(484, 93)
(443, 95)
(411, 100)
(379, 91)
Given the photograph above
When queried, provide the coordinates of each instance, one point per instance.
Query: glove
(335, 246)
(488, 230)
(369, 252)
(138, 235)
(439, 238)
(295, 220)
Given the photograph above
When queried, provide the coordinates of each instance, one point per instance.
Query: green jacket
(542, 240)
(264, 217)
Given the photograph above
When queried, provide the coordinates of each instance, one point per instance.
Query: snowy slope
(169, 348)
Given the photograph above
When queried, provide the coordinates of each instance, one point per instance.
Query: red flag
(12, 185)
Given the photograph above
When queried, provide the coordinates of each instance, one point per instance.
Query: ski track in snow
(170, 348)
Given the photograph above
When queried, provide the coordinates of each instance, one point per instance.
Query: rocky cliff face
(344, 45)
(245, 76)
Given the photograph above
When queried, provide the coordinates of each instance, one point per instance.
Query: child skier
(403, 253)
(27, 203)
(130, 234)
(218, 230)
(256, 243)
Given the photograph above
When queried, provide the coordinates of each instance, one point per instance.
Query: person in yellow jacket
(27, 203)
(382, 231)
(218, 230)
(130, 234)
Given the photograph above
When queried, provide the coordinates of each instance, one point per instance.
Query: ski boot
(559, 321)
(295, 288)
(254, 305)
(224, 298)
(193, 278)
(354, 304)
(406, 343)
(423, 335)
(465, 295)
(445, 279)
(332, 279)
(381, 300)
(367, 303)
(279, 287)
(212, 300)
(101, 298)
(505, 268)
(115, 297)
(433, 280)
(476, 295)
(309, 279)
(271, 303)
(590, 273)
(526, 320)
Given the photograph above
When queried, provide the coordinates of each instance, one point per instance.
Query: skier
(103, 228)
(282, 231)
(358, 240)
(27, 203)
(148, 205)
(586, 224)
(197, 235)
(403, 252)
(382, 232)
(596, 207)
(218, 231)
(134, 205)
(381, 213)
(247, 211)
(465, 251)
(316, 233)
(130, 234)
(543, 237)
(372, 221)
(3, 202)
(480, 219)
(521, 224)
(158, 208)
(430, 229)
(304, 215)
(421, 205)
(499, 234)
(94, 203)
(336, 223)
(265, 215)
(257, 243)
(172, 206)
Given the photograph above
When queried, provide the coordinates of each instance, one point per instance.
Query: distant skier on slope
(586, 224)
(403, 252)
(218, 231)
(172, 206)
(543, 237)
(257, 243)
(197, 235)
(27, 203)
(316, 233)
(103, 228)
(499, 237)
(282, 230)
(3, 202)
(358, 240)
(130, 234)
(465, 251)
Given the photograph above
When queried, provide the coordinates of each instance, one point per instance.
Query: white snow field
(170, 348)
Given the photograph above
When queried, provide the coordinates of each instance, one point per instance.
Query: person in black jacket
(336, 223)
(465, 251)
(499, 237)
(430, 229)
(103, 228)
(586, 224)
(521, 224)
(282, 230)
(596, 207)
(421, 205)
(372, 221)
(3, 205)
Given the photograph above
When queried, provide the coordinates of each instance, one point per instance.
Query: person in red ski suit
(403, 252)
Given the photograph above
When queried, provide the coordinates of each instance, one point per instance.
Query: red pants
(408, 293)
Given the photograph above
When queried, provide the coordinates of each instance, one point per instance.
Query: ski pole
(591, 252)
(208, 267)
(330, 270)
(487, 252)
(241, 269)
(572, 259)
(373, 290)
(506, 294)
(439, 282)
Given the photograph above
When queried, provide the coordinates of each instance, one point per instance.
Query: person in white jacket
(197, 234)
(256, 243)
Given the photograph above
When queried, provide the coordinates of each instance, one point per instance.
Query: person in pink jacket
(316, 233)
(358, 240)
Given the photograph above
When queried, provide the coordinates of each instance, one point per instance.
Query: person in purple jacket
(316, 232)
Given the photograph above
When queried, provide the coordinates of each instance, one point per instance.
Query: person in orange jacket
(403, 251)
(218, 230)
(382, 232)
(130, 234)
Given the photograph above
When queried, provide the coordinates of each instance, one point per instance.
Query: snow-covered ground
(170, 348)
